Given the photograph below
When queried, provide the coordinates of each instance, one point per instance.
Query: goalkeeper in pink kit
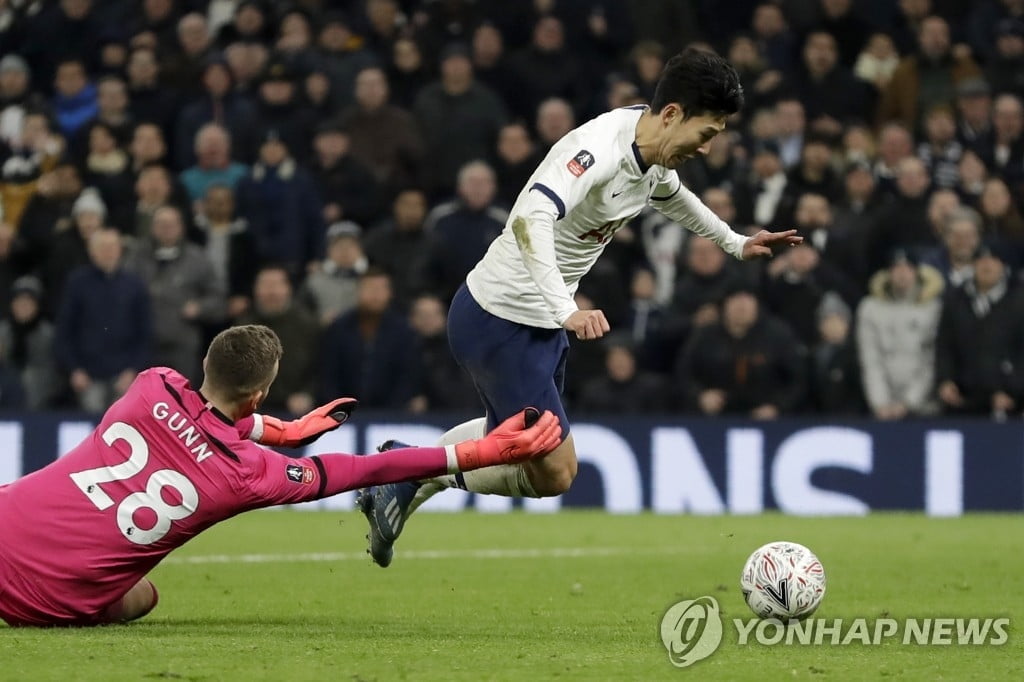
(166, 462)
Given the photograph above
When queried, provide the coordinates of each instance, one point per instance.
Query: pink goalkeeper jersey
(161, 467)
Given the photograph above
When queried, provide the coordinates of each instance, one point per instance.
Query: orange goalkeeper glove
(308, 428)
(522, 436)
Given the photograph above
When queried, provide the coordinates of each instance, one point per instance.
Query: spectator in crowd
(229, 247)
(386, 22)
(760, 83)
(1005, 70)
(247, 62)
(517, 158)
(747, 363)
(940, 150)
(295, 39)
(283, 207)
(972, 174)
(347, 186)
(445, 385)
(149, 100)
(281, 109)
(372, 350)
(25, 155)
(791, 122)
(623, 388)
(16, 96)
(554, 120)
(770, 202)
(213, 162)
(896, 328)
(839, 18)
(341, 55)
(814, 172)
(74, 100)
(774, 38)
(941, 205)
(1003, 152)
(69, 248)
(797, 281)
(927, 78)
(857, 146)
(707, 277)
(147, 147)
(462, 230)
(645, 322)
(249, 24)
(545, 68)
(853, 215)
(185, 68)
(47, 212)
(974, 111)
(961, 237)
(217, 103)
(460, 119)
(184, 292)
(723, 167)
(895, 143)
(408, 73)
(273, 305)
(1001, 219)
(104, 327)
(837, 244)
(490, 63)
(980, 337)
(903, 223)
(646, 60)
(829, 92)
(384, 137)
(111, 110)
(158, 20)
(107, 165)
(331, 289)
(26, 343)
(154, 187)
(398, 245)
(834, 375)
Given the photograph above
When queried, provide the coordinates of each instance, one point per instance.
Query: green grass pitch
(570, 596)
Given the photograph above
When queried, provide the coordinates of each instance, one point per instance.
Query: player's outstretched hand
(309, 427)
(521, 437)
(764, 244)
(587, 324)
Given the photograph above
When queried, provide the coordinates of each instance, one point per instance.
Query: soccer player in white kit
(507, 324)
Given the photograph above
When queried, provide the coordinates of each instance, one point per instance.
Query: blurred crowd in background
(334, 169)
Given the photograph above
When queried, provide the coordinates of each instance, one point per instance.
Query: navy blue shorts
(513, 366)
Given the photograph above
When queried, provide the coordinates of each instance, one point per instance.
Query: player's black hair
(701, 82)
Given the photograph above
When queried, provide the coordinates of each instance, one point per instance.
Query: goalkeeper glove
(522, 436)
(308, 428)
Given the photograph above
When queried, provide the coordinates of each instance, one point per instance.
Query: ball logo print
(691, 630)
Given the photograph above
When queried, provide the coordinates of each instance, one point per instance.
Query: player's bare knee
(554, 473)
(139, 601)
(556, 480)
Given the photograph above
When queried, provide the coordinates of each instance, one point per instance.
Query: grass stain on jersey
(519, 229)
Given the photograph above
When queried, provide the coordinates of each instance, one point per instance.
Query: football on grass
(783, 580)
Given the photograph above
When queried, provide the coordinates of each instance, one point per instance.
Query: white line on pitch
(550, 553)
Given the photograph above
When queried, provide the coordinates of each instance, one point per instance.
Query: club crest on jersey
(579, 164)
(298, 474)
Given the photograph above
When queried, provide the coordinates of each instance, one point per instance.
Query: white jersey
(591, 183)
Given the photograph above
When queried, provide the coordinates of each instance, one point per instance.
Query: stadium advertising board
(691, 465)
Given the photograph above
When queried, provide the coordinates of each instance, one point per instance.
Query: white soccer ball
(783, 580)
